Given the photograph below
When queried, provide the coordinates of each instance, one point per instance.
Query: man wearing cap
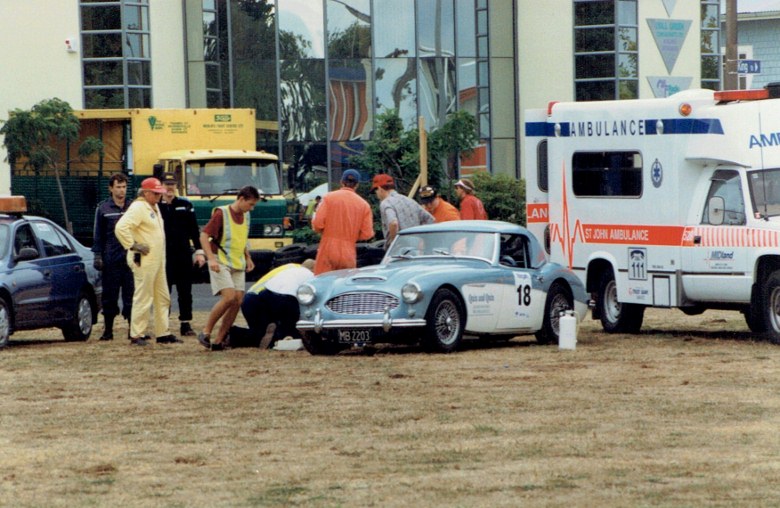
(141, 231)
(398, 211)
(181, 237)
(111, 257)
(343, 218)
(441, 210)
(471, 207)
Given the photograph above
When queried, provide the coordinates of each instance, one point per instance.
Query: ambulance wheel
(317, 346)
(771, 307)
(617, 317)
(558, 300)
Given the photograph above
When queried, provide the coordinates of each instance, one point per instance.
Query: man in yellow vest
(141, 232)
(225, 241)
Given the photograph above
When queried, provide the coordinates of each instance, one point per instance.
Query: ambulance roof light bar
(770, 91)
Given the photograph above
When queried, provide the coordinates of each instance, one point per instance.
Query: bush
(305, 235)
(503, 197)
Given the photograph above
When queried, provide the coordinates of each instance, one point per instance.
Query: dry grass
(685, 414)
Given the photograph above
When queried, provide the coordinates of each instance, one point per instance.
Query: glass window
(350, 99)
(465, 28)
(726, 184)
(53, 243)
(103, 72)
(437, 90)
(607, 174)
(254, 85)
(139, 72)
(627, 65)
(594, 12)
(467, 85)
(595, 90)
(541, 165)
(104, 98)
(764, 186)
(435, 28)
(627, 12)
(394, 28)
(396, 88)
(137, 45)
(595, 66)
(301, 29)
(594, 39)
(628, 89)
(136, 17)
(101, 17)
(139, 97)
(349, 28)
(102, 45)
(303, 100)
(24, 238)
(627, 39)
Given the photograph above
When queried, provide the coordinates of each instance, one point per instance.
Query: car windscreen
(443, 244)
(5, 242)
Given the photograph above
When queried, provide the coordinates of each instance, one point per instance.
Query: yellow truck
(212, 152)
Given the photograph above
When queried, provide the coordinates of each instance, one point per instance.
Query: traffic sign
(749, 67)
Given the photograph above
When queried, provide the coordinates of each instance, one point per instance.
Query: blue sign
(749, 67)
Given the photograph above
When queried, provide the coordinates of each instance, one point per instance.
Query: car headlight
(273, 230)
(411, 292)
(306, 294)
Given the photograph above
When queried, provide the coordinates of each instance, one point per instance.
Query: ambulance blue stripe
(671, 126)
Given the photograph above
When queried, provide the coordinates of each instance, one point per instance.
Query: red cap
(381, 180)
(154, 185)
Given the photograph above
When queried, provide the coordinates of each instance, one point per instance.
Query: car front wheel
(445, 321)
(316, 345)
(80, 326)
(5, 323)
(558, 300)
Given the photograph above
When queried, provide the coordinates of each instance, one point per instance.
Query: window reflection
(396, 85)
(394, 28)
(467, 85)
(349, 28)
(303, 100)
(435, 28)
(350, 99)
(437, 90)
(466, 43)
(301, 29)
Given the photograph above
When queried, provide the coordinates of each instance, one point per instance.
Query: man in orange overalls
(343, 218)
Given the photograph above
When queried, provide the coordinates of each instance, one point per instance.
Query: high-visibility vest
(235, 236)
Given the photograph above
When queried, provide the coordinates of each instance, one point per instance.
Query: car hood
(394, 275)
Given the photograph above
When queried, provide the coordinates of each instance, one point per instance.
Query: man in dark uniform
(181, 236)
(111, 257)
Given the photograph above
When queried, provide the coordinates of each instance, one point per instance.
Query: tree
(28, 137)
(396, 151)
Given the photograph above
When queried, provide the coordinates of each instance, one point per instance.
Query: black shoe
(169, 339)
(186, 330)
(139, 341)
(204, 340)
(107, 336)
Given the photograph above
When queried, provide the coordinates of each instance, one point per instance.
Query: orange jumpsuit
(471, 208)
(445, 211)
(343, 218)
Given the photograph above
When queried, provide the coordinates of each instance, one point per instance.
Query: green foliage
(305, 235)
(503, 197)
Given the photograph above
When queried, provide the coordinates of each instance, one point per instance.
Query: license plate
(354, 336)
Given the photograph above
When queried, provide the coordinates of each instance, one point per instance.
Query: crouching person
(272, 300)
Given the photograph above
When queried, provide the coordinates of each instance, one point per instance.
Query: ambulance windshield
(765, 192)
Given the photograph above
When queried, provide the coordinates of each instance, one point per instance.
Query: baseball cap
(350, 175)
(466, 185)
(152, 184)
(381, 180)
(169, 177)
(427, 194)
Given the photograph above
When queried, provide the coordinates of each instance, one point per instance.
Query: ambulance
(670, 203)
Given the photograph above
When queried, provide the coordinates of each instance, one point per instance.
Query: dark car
(46, 276)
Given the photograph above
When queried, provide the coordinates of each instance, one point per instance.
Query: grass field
(685, 414)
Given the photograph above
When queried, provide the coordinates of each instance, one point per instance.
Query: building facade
(318, 72)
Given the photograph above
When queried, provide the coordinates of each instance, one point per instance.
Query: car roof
(474, 226)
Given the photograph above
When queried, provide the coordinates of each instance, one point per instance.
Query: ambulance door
(535, 174)
(715, 252)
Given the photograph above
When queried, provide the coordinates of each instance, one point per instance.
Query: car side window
(514, 251)
(24, 238)
(54, 244)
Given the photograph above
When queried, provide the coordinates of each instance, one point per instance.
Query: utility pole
(730, 78)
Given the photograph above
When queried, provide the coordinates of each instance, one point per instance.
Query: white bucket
(567, 330)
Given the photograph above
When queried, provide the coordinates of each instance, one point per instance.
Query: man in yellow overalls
(225, 241)
(141, 231)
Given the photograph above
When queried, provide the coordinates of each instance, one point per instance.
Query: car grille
(362, 303)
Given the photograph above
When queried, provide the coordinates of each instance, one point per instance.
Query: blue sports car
(438, 282)
(46, 276)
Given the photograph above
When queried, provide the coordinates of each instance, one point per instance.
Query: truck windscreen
(213, 177)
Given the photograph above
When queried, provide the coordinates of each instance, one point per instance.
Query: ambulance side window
(597, 174)
(541, 165)
(726, 184)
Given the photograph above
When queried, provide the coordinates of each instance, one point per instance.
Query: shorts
(227, 278)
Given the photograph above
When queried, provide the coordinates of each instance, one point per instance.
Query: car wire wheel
(445, 322)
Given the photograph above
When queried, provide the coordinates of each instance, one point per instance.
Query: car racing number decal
(523, 288)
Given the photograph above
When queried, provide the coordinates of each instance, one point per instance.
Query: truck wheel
(315, 345)
(770, 302)
(445, 321)
(617, 317)
(558, 300)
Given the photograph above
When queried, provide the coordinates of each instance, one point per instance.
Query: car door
(29, 279)
(63, 268)
(523, 301)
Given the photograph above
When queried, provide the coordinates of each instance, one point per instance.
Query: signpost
(749, 67)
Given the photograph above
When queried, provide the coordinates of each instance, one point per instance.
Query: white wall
(34, 61)
(167, 41)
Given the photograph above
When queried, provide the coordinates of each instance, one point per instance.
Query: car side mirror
(715, 210)
(26, 254)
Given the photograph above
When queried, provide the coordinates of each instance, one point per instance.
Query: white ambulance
(670, 202)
